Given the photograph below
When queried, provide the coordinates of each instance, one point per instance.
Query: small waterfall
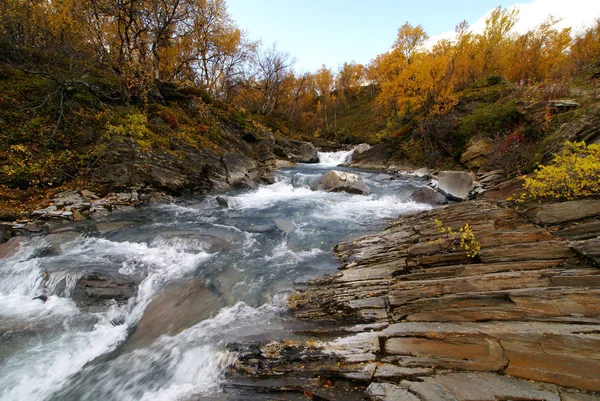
(335, 158)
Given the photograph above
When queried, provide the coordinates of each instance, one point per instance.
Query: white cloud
(577, 14)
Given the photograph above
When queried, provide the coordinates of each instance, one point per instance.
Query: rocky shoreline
(231, 171)
(404, 319)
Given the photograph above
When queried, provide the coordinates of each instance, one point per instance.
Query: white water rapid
(205, 276)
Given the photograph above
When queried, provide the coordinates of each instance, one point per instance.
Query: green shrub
(490, 120)
(574, 173)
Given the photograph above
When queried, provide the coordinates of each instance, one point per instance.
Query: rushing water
(246, 258)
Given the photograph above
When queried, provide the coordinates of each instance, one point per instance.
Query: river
(207, 275)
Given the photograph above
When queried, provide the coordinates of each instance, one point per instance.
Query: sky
(331, 32)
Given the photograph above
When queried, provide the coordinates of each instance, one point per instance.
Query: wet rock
(477, 152)
(176, 307)
(361, 148)
(429, 196)
(285, 225)
(5, 233)
(377, 157)
(338, 181)
(101, 289)
(42, 298)
(222, 201)
(297, 151)
(10, 247)
(383, 177)
(456, 185)
(238, 167)
(422, 172)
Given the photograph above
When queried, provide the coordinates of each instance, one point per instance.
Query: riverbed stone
(97, 289)
(363, 147)
(455, 185)
(10, 247)
(176, 307)
(297, 151)
(429, 196)
(340, 181)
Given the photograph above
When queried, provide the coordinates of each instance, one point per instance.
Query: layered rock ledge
(404, 319)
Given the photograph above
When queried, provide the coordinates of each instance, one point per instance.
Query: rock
(176, 307)
(377, 157)
(239, 167)
(556, 213)
(422, 172)
(562, 105)
(429, 196)
(68, 198)
(389, 392)
(10, 247)
(475, 386)
(363, 147)
(383, 177)
(222, 201)
(456, 185)
(297, 151)
(88, 195)
(101, 289)
(477, 152)
(338, 181)
(77, 216)
(42, 298)
(5, 233)
(285, 225)
(589, 249)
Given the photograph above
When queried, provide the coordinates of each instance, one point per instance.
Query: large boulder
(477, 152)
(176, 307)
(429, 196)
(101, 289)
(241, 170)
(297, 151)
(339, 181)
(377, 157)
(456, 185)
(10, 247)
(363, 147)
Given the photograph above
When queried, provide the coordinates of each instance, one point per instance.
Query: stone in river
(339, 181)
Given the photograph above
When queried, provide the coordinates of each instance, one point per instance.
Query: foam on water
(245, 254)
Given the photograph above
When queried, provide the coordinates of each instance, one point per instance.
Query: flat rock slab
(557, 213)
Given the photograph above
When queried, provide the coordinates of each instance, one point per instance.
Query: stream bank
(403, 319)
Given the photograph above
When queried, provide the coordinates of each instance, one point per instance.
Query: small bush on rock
(463, 240)
(574, 173)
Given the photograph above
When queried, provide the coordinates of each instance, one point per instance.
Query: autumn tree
(273, 67)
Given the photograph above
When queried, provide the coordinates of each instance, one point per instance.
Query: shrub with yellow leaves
(574, 173)
(463, 240)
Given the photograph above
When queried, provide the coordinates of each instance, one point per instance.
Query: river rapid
(206, 276)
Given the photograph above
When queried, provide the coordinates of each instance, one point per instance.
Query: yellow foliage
(464, 239)
(134, 127)
(574, 173)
